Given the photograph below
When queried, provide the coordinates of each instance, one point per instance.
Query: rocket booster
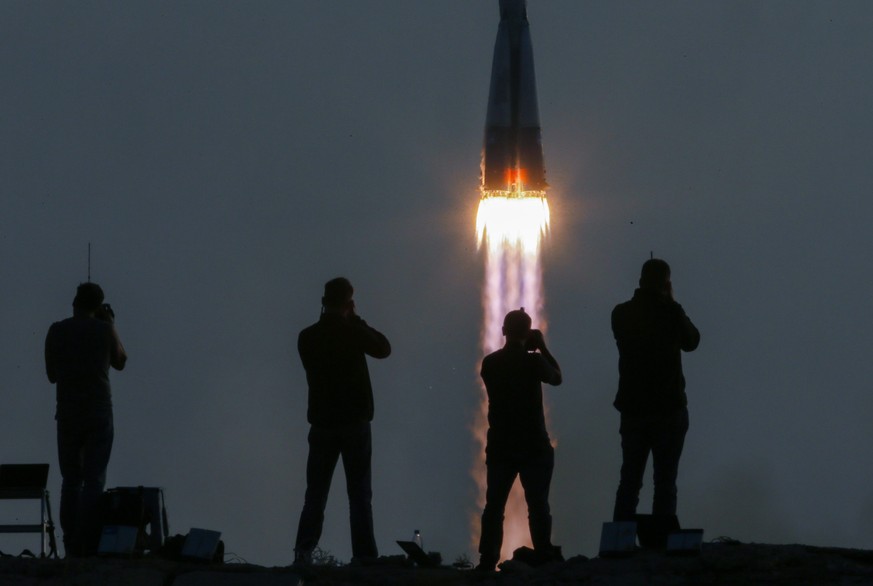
(512, 153)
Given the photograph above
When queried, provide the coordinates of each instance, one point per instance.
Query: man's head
(338, 296)
(516, 325)
(655, 275)
(89, 296)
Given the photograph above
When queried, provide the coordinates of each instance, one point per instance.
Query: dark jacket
(78, 354)
(651, 332)
(513, 378)
(333, 352)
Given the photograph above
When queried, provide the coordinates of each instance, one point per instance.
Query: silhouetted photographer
(651, 331)
(518, 443)
(334, 353)
(78, 354)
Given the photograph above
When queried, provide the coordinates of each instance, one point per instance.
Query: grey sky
(226, 158)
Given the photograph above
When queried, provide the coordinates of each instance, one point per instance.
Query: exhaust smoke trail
(511, 226)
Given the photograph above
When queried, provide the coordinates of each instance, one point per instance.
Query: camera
(534, 340)
(105, 313)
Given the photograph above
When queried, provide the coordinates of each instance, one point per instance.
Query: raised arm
(117, 355)
(689, 336)
(552, 370)
(374, 343)
(51, 367)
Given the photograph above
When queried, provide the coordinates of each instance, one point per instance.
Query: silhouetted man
(651, 331)
(333, 352)
(518, 443)
(78, 353)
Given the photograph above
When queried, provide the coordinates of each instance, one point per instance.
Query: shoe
(553, 554)
(302, 558)
(486, 566)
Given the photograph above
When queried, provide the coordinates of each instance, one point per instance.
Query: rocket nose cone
(513, 9)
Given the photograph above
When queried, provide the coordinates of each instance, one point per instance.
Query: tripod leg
(50, 527)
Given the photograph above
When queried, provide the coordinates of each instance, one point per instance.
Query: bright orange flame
(517, 176)
(511, 225)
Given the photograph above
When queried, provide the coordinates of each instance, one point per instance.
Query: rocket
(512, 153)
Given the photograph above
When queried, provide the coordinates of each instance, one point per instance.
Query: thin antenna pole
(89, 261)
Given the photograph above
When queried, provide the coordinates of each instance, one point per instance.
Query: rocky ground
(719, 563)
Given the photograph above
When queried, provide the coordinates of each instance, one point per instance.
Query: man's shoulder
(76, 324)
(325, 329)
(493, 355)
(633, 307)
(504, 357)
(492, 361)
(496, 356)
(625, 305)
(309, 331)
(55, 331)
(62, 323)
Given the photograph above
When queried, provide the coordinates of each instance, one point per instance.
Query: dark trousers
(326, 445)
(84, 446)
(663, 436)
(535, 471)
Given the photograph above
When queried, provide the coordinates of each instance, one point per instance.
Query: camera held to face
(105, 313)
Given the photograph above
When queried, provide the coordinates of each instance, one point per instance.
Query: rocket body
(512, 153)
